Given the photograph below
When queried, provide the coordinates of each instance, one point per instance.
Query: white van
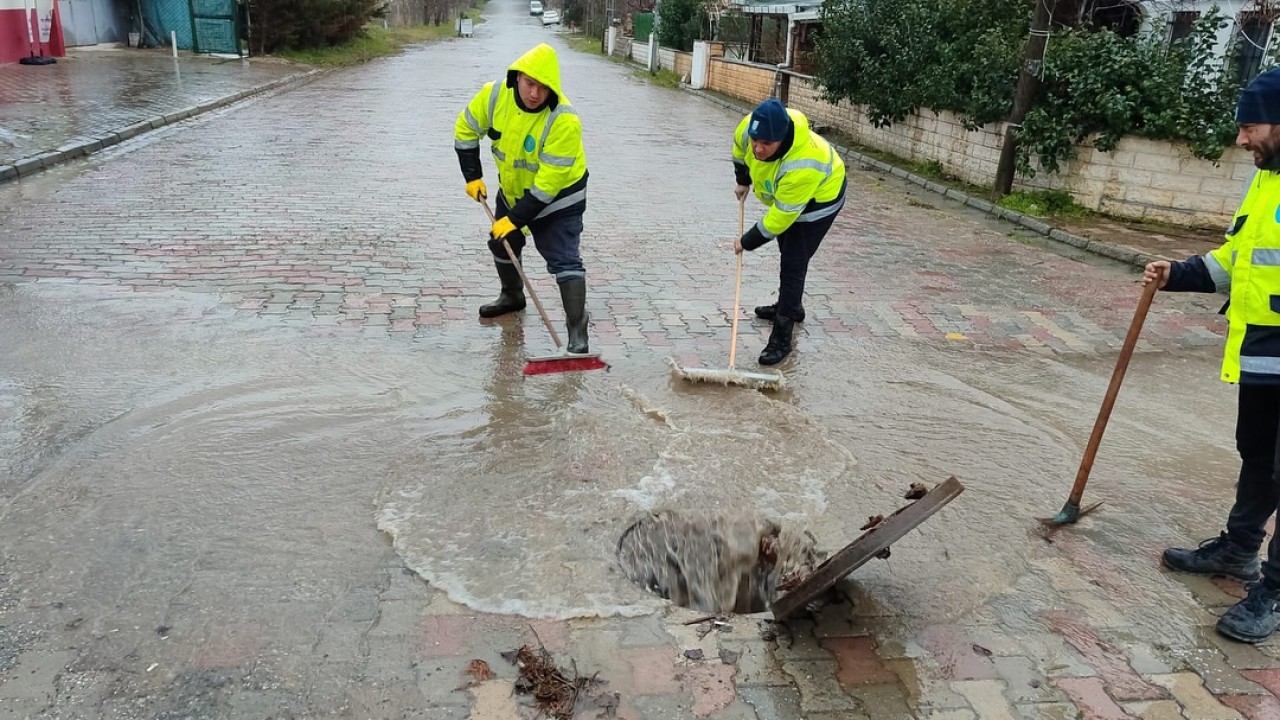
(535, 7)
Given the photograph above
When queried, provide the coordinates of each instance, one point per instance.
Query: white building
(1246, 39)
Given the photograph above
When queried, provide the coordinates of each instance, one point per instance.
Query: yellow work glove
(502, 228)
(477, 190)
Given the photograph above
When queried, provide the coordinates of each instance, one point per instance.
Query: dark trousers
(798, 245)
(1258, 490)
(557, 239)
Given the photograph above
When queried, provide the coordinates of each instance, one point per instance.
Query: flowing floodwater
(525, 503)
(512, 493)
(713, 562)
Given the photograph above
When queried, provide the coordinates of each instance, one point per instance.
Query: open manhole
(715, 563)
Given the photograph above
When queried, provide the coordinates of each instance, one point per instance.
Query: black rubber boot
(1254, 618)
(767, 312)
(1216, 556)
(779, 341)
(511, 298)
(573, 293)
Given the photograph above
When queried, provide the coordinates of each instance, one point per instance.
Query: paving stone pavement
(337, 208)
(92, 92)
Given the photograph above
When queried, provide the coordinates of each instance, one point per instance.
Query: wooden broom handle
(737, 287)
(523, 278)
(1117, 376)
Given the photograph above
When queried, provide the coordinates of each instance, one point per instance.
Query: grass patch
(1044, 203)
(377, 41)
(662, 78)
(584, 43)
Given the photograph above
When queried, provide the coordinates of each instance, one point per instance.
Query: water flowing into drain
(712, 562)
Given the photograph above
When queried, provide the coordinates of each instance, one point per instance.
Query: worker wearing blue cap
(800, 179)
(1247, 268)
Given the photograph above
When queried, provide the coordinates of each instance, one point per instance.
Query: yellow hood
(541, 64)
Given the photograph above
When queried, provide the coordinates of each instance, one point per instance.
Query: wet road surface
(260, 459)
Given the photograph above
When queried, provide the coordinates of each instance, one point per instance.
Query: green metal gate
(215, 25)
(641, 26)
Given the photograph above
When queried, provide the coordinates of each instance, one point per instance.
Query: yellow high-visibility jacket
(1247, 268)
(542, 167)
(810, 171)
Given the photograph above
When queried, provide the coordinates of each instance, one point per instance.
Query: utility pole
(1028, 81)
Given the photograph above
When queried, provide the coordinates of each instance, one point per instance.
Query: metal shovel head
(730, 376)
(1070, 514)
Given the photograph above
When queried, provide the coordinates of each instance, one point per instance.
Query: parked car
(535, 7)
(551, 17)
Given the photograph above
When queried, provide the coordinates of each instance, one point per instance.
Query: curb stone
(87, 146)
(1112, 251)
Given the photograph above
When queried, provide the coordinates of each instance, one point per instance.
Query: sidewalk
(96, 98)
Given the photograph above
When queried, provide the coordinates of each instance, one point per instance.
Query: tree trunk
(1028, 82)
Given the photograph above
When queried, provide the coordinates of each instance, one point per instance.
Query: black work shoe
(779, 341)
(768, 312)
(574, 295)
(1216, 556)
(511, 298)
(1254, 618)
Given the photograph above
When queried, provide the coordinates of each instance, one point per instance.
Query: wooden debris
(872, 521)
(870, 544)
(555, 693)
(916, 491)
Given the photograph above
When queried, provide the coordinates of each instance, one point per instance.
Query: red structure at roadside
(23, 25)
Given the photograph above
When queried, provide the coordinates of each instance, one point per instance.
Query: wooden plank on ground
(868, 545)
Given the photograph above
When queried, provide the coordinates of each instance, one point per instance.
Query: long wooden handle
(737, 288)
(528, 286)
(1117, 376)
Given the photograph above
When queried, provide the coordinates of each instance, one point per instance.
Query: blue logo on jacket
(768, 186)
(529, 143)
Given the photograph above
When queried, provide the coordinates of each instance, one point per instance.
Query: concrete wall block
(1181, 183)
(1175, 217)
(1243, 172)
(1202, 204)
(1165, 163)
(1122, 157)
(1148, 196)
(1100, 171)
(1130, 176)
(1224, 187)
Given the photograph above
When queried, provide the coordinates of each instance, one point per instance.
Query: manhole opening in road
(715, 562)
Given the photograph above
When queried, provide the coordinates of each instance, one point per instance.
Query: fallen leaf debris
(555, 693)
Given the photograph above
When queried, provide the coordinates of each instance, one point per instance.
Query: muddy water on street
(144, 436)
(511, 493)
